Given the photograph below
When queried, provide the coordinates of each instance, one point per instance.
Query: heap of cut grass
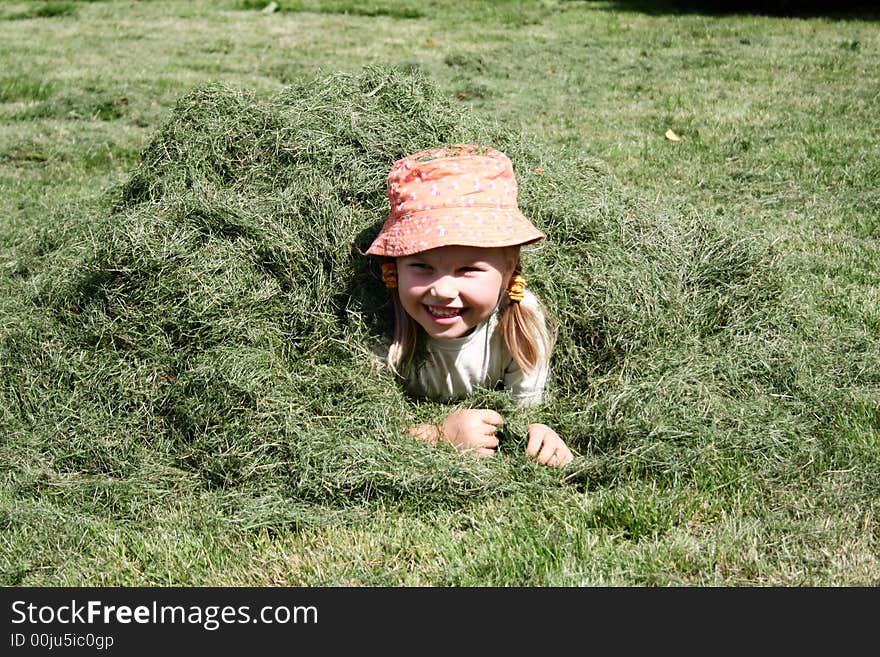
(219, 319)
(213, 329)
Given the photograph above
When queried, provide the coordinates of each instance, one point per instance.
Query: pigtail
(527, 330)
(403, 343)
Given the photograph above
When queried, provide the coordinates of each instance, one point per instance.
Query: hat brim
(423, 231)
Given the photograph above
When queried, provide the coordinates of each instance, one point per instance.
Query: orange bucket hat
(463, 195)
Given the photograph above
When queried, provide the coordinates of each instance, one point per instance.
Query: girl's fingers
(547, 452)
(483, 452)
(491, 417)
(489, 429)
(563, 456)
(534, 444)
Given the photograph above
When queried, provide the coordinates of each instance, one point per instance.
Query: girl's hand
(472, 430)
(468, 429)
(546, 447)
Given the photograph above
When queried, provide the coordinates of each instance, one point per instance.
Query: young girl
(462, 316)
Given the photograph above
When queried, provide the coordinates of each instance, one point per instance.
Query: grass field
(185, 395)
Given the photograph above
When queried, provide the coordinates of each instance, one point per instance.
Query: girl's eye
(419, 265)
(465, 270)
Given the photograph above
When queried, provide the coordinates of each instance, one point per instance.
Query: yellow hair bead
(517, 288)
(389, 274)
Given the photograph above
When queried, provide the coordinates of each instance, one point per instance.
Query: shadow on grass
(838, 9)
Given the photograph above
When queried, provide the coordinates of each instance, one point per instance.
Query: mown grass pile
(216, 319)
(213, 329)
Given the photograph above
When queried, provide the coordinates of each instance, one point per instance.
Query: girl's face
(451, 289)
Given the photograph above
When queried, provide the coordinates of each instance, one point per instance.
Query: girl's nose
(443, 288)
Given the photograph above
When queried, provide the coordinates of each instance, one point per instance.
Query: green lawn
(185, 389)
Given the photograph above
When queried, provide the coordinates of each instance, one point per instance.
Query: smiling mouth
(443, 313)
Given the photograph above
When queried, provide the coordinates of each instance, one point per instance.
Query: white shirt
(453, 368)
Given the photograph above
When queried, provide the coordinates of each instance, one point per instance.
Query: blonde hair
(528, 332)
